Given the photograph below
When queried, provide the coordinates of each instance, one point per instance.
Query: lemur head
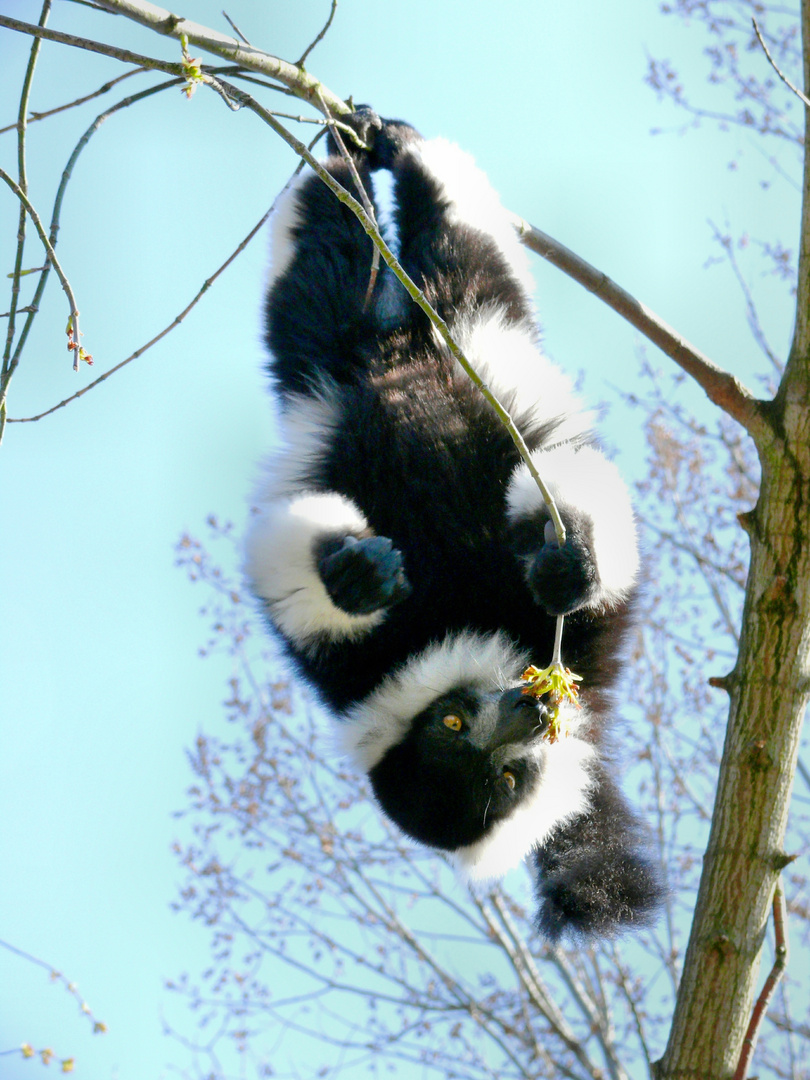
(456, 755)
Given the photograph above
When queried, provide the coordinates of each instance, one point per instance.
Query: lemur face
(468, 760)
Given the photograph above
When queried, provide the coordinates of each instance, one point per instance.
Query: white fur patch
(561, 793)
(586, 481)
(380, 721)
(507, 357)
(306, 430)
(474, 201)
(280, 566)
(283, 219)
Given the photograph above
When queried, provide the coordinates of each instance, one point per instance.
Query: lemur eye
(452, 721)
(509, 777)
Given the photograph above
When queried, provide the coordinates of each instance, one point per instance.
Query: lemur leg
(456, 239)
(321, 263)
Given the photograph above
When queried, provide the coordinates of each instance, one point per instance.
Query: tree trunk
(769, 690)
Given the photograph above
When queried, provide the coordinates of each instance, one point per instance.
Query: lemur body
(402, 550)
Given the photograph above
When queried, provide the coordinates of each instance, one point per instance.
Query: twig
(320, 36)
(767, 992)
(139, 352)
(751, 313)
(164, 22)
(784, 78)
(99, 1027)
(34, 116)
(124, 55)
(74, 311)
(9, 362)
(235, 28)
(60, 194)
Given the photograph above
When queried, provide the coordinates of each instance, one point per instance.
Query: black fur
(437, 552)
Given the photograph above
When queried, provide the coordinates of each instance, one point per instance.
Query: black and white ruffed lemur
(404, 554)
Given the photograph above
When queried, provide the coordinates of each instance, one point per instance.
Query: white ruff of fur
(282, 572)
(283, 219)
(306, 430)
(484, 662)
(561, 794)
(584, 479)
(507, 356)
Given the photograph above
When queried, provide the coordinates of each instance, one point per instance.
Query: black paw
(362, 576)
(563, 579)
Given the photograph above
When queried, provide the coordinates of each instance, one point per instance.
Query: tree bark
(769, 689)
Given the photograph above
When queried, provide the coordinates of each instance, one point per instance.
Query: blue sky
(102, 686)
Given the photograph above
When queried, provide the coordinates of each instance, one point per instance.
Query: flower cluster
(558, 685)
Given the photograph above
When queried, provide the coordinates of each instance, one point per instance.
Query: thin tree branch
(293, 76)
(769, 988)
(67, 174)
(805, 100)
(722, 388)
(34, 116)
(235, 28)
(9, 362)
(74, 312)
(124, 55)
(139, 352)
(320, 36)
(367, 204)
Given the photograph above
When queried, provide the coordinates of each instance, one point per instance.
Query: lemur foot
(385, 138)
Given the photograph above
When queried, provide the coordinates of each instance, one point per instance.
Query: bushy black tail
(595, 873)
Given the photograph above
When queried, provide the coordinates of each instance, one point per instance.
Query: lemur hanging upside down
(404, 553)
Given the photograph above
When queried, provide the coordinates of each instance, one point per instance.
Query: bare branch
(320, 36)
(29, 209)
(768, 990)
(293, 76)
(33, 117)
(235, 28)
(124, 55)
(139, 352)
(722, 388)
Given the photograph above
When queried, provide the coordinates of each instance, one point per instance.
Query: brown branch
(722, 388)
(235, 28)
(769, 988)
(124, 55)
(43, 236)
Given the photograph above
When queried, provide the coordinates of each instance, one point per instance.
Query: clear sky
(101, 685)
